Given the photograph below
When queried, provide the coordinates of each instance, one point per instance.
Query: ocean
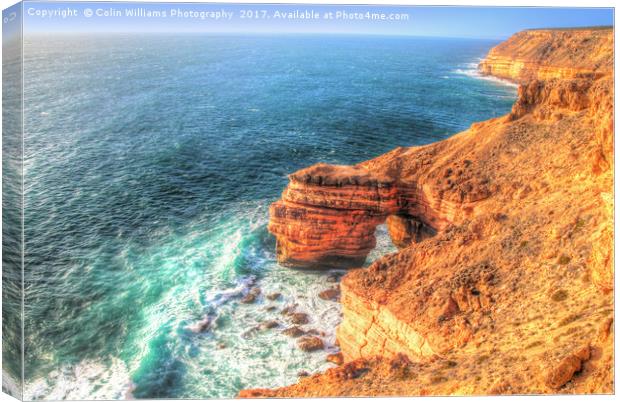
(150, 163)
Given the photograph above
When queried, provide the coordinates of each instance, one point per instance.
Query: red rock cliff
(551, 53)
(513, 292)
(328, 214)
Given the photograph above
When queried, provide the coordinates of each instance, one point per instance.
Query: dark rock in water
(310, 343)
(299, 318)
(288, 310)
(221, 345)
(270, 324)
(313, 331)
(270, 308)
(274, 296)
(334, 277)
(250, 332)
(202, 325)
(332, 294)
(336, 358)
(294, 332)
(303, 373)
(251, 296)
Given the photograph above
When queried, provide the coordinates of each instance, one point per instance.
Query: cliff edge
(552, 53)
(504, 278)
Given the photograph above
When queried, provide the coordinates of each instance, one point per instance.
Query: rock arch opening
(405, 229)
(328, 215)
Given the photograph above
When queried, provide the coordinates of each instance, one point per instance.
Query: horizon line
(248, 33)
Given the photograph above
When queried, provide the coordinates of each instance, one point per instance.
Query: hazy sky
(470, 22)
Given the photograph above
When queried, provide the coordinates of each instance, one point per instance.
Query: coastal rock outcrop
(328, 214)
(505, 268)
(542, 54)
(310, 343)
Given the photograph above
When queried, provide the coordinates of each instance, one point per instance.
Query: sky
(465, 22)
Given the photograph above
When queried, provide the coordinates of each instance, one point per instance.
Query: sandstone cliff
(552, 53)
(504, 280)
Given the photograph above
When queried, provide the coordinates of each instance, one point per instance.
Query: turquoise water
(150, 163)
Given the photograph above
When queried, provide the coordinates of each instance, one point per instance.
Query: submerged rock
(248, 299)
(269, 324)
(294, 332)
(310, 343)
(299, 318)
(202, 325)
(250, 332)
(332, 294)
(288, 310)
(313, 331)
(251, 296)
(273, 296)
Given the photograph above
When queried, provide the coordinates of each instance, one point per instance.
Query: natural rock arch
(328, 214)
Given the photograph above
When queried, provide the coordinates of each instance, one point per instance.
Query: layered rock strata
(328, 214)
(513, 294)
(551, 53)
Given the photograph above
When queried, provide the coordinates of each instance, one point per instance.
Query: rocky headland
(503, 282)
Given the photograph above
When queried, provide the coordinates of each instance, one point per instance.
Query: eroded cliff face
(328, 214)
(504, 280)
(551, 53)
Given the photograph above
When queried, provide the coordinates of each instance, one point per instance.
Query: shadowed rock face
(513, 294)
(407, 229)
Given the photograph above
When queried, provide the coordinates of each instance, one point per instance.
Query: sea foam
(471, 70)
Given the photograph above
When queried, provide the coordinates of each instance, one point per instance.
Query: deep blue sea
(150, 163)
